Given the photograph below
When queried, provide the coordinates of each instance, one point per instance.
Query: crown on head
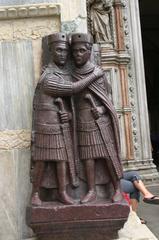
(81, 38)
(57, 37)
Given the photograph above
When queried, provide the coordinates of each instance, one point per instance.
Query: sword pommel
(60, 103)
(91, 100)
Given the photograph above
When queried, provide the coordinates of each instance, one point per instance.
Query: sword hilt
(95, 111)
(60, 103)
(91, 100)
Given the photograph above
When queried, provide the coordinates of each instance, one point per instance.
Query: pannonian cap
(58, 37)
(81, 38)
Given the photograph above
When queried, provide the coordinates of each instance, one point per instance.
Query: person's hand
(95, 112)
(98, 72)
(64, 117)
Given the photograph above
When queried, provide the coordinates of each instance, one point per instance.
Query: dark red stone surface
(81, 222)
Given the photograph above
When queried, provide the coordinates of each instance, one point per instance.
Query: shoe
(118, 196)
(35, 200)
(152, 200)
(89, 197)
(64, 198)
(143, 221)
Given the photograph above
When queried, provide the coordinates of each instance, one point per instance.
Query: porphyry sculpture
(97, 122)
(75, 127)
(53, 112)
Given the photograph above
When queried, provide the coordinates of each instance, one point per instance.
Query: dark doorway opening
(149, 16)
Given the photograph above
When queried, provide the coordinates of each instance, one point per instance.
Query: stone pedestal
(100, 221)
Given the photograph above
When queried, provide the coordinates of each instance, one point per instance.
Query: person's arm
(53, 85)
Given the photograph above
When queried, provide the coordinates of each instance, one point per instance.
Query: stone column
(115, 62)
(119, 24)
(22, 28)
(137, 94)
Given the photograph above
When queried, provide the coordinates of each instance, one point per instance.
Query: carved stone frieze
(34, 10)
(15, 139)
(20, 22)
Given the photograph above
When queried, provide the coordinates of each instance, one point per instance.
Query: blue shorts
(127, 185)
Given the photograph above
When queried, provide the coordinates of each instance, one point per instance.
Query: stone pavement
(151, 212)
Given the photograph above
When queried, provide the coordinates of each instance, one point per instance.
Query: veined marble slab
(16, 91)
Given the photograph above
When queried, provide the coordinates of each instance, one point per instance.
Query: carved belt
(92, 125)
(48, 128)
(87, 126)
(46, 107)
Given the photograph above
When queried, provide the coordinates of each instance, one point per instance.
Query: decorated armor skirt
(90, 140)
(49, 143)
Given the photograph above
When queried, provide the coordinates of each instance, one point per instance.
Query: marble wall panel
(23, 190)
(15, 189)
(8, 209)
(16, 61)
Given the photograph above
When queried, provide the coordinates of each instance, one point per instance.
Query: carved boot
(64, 198)
(89, 197)
(35, 200)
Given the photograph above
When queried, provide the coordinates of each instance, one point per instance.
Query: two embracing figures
(74, 124)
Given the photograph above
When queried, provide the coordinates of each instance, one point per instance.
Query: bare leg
(61, 176)
(134, 204)
(141, 187)
(148, 196)
(90, 173)
(38, 174)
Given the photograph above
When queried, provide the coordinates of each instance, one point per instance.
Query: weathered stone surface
(20, 61)
(16, 61)
(19, 2)
(74, 19)
(39, 21)
(101, 221)
(134, 230)
(13, 139)
(14, 193)
(29, 11)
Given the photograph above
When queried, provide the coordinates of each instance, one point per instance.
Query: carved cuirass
(48, 137)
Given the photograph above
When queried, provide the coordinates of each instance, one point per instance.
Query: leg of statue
(90, 174)
(37, 177)
(117, 196)
(61, 176)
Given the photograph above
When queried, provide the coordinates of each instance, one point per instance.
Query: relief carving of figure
(53, 118)
(97, 122)
(100, 20)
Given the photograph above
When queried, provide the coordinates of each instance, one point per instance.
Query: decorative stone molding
(114, 57)
(28, 11)
(29, 21)
(15, 139)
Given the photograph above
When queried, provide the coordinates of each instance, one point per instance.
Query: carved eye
(63, 36)
(79, 36)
